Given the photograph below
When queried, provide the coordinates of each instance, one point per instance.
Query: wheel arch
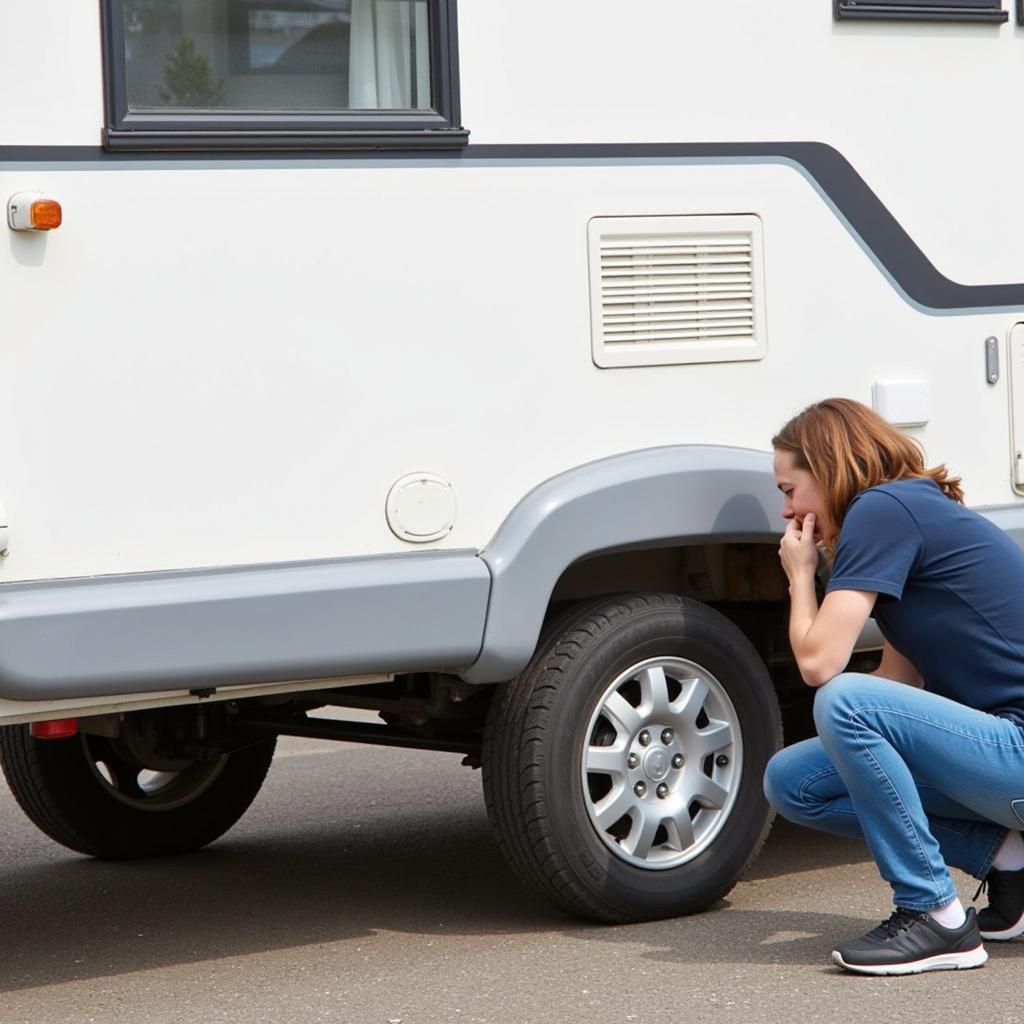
(675, 496)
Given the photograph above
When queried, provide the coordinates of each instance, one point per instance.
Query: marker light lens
(45, 214)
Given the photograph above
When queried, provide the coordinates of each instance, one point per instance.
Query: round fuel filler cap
(421, 507)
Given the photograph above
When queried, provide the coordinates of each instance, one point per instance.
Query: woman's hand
(797, 550)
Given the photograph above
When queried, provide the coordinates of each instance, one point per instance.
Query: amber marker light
(33, 211)
(45, 214)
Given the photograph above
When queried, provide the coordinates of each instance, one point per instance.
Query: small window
(273, 74)
(920, 10)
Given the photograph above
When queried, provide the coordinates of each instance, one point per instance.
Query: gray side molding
(685, 492)
(205, 628)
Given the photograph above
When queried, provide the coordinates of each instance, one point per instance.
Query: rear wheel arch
(673, 497)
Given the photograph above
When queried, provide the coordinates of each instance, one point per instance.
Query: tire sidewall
(705, 637)
(66, 798)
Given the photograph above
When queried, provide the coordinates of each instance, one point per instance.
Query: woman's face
(801, 495)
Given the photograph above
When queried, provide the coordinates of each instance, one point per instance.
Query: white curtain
(387, 36)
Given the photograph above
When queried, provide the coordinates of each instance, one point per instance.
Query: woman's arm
(822, 638)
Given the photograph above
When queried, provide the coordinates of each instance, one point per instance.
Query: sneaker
(1003, 918)
(911, 942)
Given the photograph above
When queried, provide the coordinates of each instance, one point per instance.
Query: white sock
(950, 916)
(1011, 854)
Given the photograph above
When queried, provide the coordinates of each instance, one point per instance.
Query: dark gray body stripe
(864, 212)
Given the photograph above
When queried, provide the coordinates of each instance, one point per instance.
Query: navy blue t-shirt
(950, 590)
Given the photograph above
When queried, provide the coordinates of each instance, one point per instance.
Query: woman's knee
(785, 775)
(840, 696)
(777, 785)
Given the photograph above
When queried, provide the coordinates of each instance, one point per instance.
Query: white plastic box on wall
(904, 403)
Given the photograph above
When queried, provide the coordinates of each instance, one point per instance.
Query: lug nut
(662, 791)
(645, 738)
(633, 760)
(640, 788)
(721, 760)
(677, 761)
(666, 736)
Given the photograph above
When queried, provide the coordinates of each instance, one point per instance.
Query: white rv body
(230, 362)
(217, 368)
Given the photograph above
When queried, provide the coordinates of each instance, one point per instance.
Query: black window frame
(438, 128)
(920, 10)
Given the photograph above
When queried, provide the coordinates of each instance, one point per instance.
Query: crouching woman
(923, 758)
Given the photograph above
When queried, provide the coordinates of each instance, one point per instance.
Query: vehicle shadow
(327, 856)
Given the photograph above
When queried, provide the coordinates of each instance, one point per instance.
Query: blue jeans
(925, 781)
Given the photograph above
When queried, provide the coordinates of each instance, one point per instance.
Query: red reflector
(58, 729)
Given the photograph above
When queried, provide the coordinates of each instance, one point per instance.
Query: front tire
(90, 797)
(623, 769)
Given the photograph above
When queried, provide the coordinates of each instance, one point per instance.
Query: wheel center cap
(656, 764)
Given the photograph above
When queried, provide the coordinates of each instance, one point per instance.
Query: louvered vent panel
(675, 289)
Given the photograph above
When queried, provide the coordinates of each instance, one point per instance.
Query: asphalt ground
(363, 886)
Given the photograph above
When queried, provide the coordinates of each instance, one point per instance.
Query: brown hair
(848, 447)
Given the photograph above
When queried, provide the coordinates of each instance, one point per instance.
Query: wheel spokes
(710, 740)
(649, 761)
(709, 793)
(612, 807)
(606, 760)
(680, 830)
(641, 835)
(654, 692)
(621, 715)
(689, 704)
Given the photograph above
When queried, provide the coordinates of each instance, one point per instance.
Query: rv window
(216, 74)
(920, 10)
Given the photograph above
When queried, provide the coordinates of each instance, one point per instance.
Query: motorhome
(377, 355)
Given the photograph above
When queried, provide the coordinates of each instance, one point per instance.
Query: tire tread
(45, 778)
(514, 751)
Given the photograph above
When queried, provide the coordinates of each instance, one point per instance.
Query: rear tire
(82, 793)
(565, 752)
